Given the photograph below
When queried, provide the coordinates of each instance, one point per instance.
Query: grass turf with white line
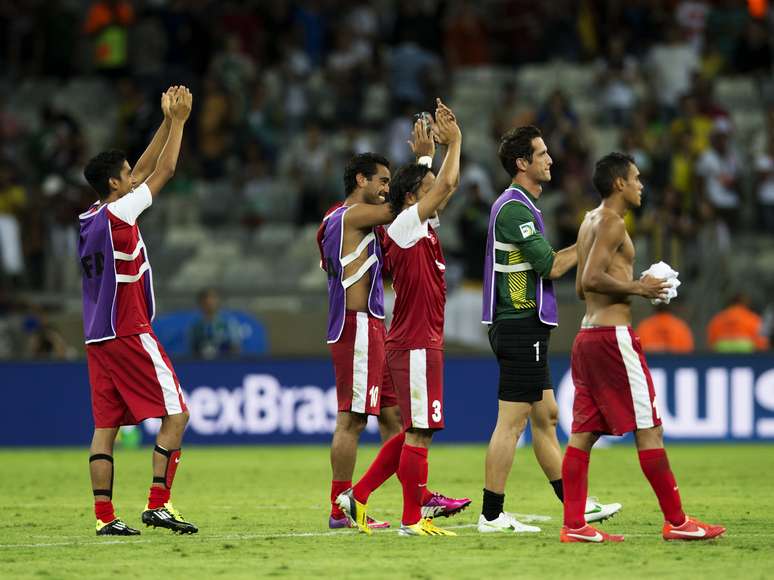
(263, 511)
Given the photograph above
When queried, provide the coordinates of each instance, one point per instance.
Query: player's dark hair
(406, 180)
(101, 168)
(365, 164)
(608, 169)
(517, 144)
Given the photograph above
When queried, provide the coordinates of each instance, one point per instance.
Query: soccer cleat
(424, 527)
(505, 522)
(440, 506)
(168, 517)
(356, 511)
(692, 530)
(587, 534)
(115, 528)
(599, 512)
(336, 523)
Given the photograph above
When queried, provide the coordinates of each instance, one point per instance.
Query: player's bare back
(606, 309)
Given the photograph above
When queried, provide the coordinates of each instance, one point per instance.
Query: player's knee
(419, 437)
(353, 423)
(512, 426)
(547, 420)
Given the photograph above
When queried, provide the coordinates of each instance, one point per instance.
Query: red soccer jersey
(413, 255)
(131, 306)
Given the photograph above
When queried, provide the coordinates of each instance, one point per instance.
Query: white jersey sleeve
(407, 229)
(129, 207)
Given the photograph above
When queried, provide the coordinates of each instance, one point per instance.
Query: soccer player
(415, 341)
(519, 304)
(352, 257)
(613, 387)
(130, 374)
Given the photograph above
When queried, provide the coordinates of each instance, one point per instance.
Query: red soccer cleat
(692, 530)
(587, 534)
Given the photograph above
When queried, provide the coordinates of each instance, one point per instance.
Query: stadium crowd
(286, 91)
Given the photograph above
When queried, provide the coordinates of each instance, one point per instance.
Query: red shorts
(613, 388)
(417, 377)
(131, 380)
(358, 362)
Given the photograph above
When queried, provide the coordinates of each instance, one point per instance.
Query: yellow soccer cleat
(356, 511)
(424, 527)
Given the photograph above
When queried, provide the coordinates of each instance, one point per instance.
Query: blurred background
(286, 91)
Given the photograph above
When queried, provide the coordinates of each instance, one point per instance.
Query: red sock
(104, 511)
(380, 470)
(338, 487)
(575, 484)
(427, 495)
(413, 478)
(655, 466)
(157, 497)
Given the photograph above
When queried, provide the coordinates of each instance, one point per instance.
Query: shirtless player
(613, 388)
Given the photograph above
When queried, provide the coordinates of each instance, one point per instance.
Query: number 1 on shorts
(537, 351)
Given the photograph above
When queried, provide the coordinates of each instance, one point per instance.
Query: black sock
(557, 485)
(493, 504)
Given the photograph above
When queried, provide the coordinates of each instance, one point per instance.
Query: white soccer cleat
(505, 522)
(598, 512)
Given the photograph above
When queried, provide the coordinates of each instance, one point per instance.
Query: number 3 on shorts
(437, 411)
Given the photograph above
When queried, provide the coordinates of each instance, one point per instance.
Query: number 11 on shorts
(537, 351)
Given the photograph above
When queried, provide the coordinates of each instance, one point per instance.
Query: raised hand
(181, 104)
(446, 128)
(166, 101)
(422, 143)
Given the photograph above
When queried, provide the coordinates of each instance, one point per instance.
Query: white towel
(665, 271)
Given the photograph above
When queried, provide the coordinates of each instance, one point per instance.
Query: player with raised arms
(351, 255)
(414, 343)
(614, 392)
(131, 376)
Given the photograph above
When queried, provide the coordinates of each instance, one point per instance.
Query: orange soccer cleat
(587, 534)
(692, 530)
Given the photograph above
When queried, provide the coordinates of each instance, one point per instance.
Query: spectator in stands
(308, 161)
(473, 226)
(764, 170)
(737, 328)
(514, 110)
(214, 130)
(664, 332)
(671, 65)
(466, 41)
(214, 334)
(752, 53)
(691, 121)
(44, 341)
(13, 198)
(558, 122)
(413, 72)
(718, 170)
(108, 22)
(617, 78)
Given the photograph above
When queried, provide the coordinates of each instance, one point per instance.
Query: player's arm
(180, 108)
(448, 178)
(564, 260)
(365, 215)
(147, 161)
(610, 234)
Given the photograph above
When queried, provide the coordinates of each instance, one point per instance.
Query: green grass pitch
(262, 512)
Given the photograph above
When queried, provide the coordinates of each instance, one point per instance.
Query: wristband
(425, 160)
